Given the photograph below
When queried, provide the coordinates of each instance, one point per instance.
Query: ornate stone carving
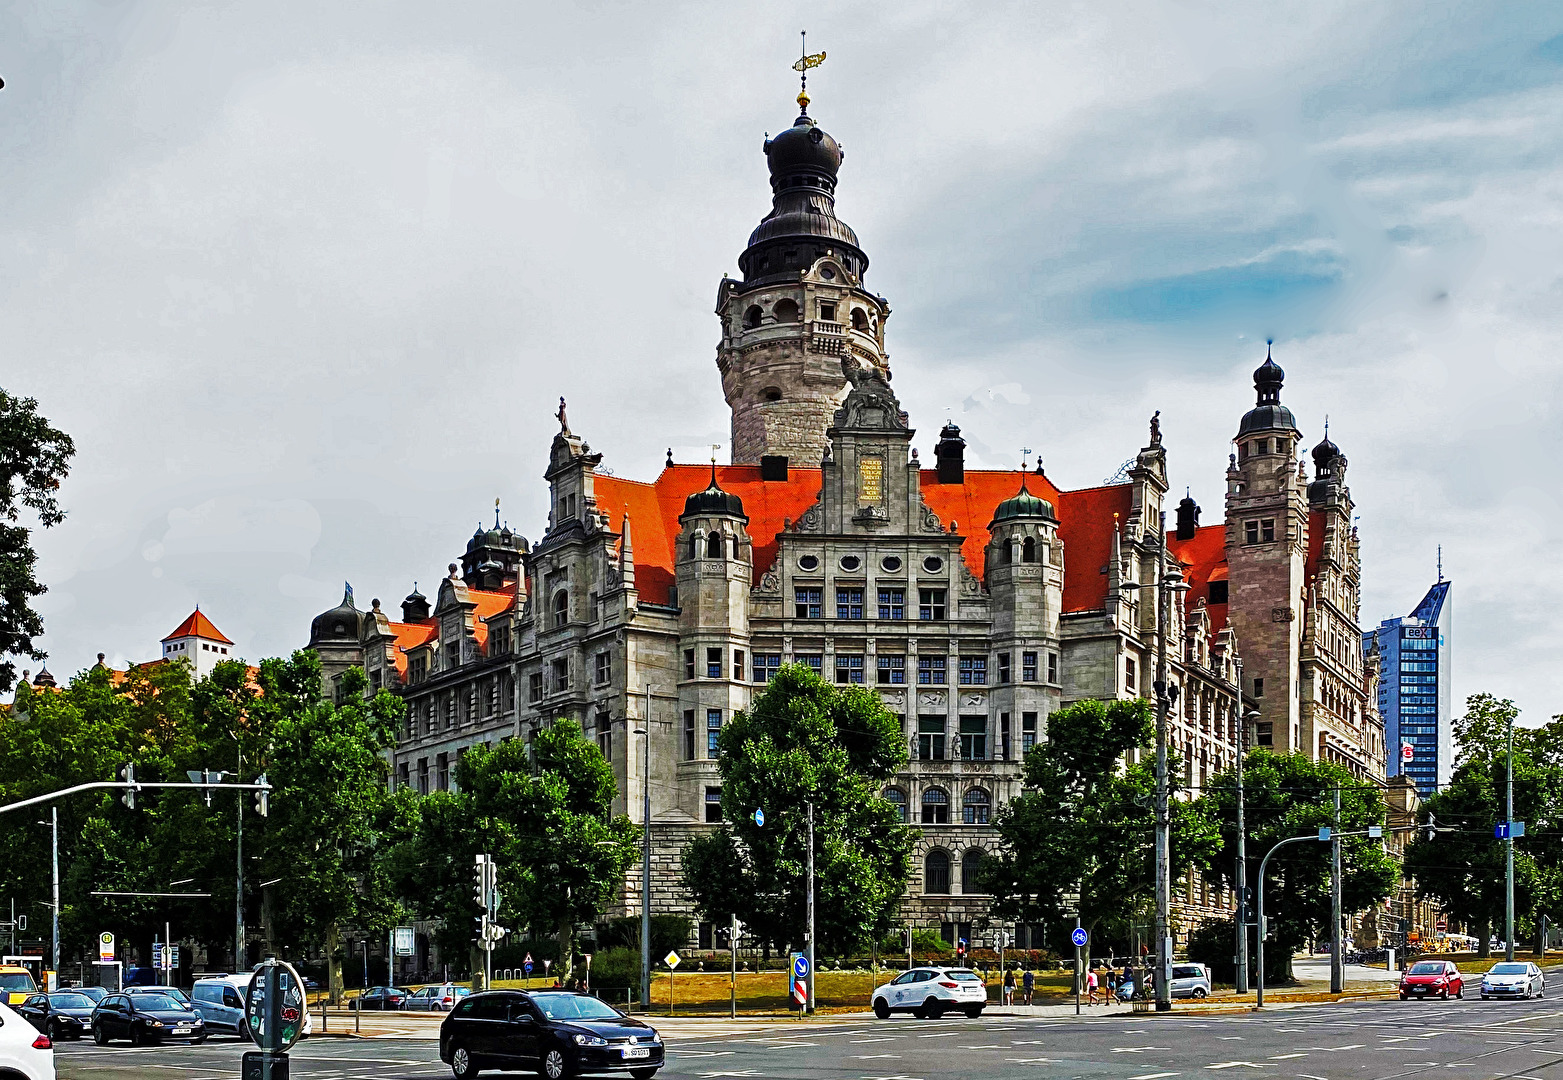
(770, 583)
(811, 521)
(931, 699)
(930, 522)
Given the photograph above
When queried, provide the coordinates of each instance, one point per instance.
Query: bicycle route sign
(1079, 937)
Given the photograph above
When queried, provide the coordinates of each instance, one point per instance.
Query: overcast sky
(305, 281)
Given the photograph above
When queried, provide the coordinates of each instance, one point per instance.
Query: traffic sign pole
(1079, 937)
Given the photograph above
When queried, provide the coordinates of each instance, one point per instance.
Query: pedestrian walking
(1090, 986)
(1028, 983)
(1009, 986)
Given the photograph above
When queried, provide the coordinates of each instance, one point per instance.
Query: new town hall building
(976, 602)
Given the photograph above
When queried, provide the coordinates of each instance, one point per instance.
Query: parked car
(1428, 977)
(380, 998)
(220, 1001)
(1190, 980)
(16, 983)
(441, 997)
(557, 1033)
(63, 1014)
(96, 993)
(1515, 979)
(145, 1018)
(927, 991)
(25, 1052)
(167, 991)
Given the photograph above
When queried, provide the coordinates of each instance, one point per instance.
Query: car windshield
(1509, 969)
(156, 1002)
(574, 1007)
(70, 1001)
(19, 980)
(1427, 969)
(965, 976)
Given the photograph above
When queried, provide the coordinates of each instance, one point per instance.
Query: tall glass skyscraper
(1414, 691)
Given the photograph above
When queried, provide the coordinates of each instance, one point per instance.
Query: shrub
(616, 968)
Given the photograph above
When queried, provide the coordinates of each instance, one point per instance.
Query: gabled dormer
(454, 612)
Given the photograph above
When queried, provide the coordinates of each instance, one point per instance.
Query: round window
(890, 563)
(850, 562)
(808, 562)
(827, 273)
(933, 564)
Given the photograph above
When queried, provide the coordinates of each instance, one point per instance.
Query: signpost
(1079, 937)
(759, 818)
(526, 965)
(671, 960)
(105, 948)
(1407, 751)
(274, 1016)
(1506, 830)
(800, 980)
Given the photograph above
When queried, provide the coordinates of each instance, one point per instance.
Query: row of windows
(713, 729)
(1261, 446)
(809, 603)
(936, 872)
(1259, 530)
(972, 737)
(976, 805)
(1418, 665)
(889, 669)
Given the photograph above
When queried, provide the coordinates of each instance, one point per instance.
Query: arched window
(859, 320)
(1028, 549)
(897, 798)
(971, 868)
(936, 807)
(936, 872)
(771, 393)
(694, 547)
(974, 806)
(1006, 553)
(752, 317)
(714, 546)
(561, 607)
(786, 311)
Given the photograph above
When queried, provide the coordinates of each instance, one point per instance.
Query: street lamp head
(1251, 715)
(639, 731)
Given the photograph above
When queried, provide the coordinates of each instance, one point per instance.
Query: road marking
(1283, 1057)
(871, 1057)
(1136, 1049)
(1236, 1065)
(1229, 1036)
(989, 1046)
(878, 1038)
(1153, 1076)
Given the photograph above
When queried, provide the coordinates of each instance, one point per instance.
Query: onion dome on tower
(1268, 413)
(341, 624)
(1329, 467)
(1023, 504)
(713, 500)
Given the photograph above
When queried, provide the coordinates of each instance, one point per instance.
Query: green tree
(1287, 795)
(34, 460)
(1084, 826)
(804, 741)
(328, 769)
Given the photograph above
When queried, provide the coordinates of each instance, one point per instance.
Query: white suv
(24, 1050)
(931, 992)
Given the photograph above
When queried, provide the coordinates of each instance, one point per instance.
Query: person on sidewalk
(1091, 984)
(1028, 983)
(1009, 986)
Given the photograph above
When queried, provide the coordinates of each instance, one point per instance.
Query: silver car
(1514, 979)
(1190, 980)
(441, 997)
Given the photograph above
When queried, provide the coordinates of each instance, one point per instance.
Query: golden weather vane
(802, 65)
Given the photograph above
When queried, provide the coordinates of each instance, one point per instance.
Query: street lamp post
(1260, 955)
(645, 867)
(1508, 845)
(1242, 850)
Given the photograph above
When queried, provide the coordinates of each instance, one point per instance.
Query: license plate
(637, 1051)
(181, 1031)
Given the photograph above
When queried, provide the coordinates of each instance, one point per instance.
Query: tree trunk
(567, 949)
(334, 963)
(1483, 945)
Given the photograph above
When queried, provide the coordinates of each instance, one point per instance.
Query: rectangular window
(766, 665)
(1267, 530)
(604, 669)
(689, 663)
(713, 729)
(1259, 691)
(1004, 659)
(1028, 667)
(534, 688)
(442, 772)
(1251, 534)
(1131, 677)
(807, 602)
(974, 738)
(813, 661)
(892, 603)
(849, 603)
(561, 675)
(1264, 734)
(738, 665)
(1028, 731)
(1219, 595)
(930, 604)
(974, 670)
(1052, 668)
(713, 807)
(849, 668)
(1004, 736)
(930, 670)
(452, 655)
(892, 670)
(605, 736)
(713, 663)
(689, 734)
(930, 738)
(827, 313)
(1261, 446)
(423, 776)
(418, 670)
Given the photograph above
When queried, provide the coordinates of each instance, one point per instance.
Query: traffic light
(482, 881)
(1432, 827)
(128, 774)
(262, 797)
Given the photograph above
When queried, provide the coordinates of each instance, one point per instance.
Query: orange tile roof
(1085, 524)
(1204, 559)
(198, 625)
(410, 636)
(489, 605)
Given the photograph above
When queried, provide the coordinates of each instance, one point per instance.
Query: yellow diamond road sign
(671, 959)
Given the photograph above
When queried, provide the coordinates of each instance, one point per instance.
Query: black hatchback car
(381, 998)
(145, 1018)
(64, 1014)
(556, 1033)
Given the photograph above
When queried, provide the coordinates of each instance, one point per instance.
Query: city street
(1375, 1040)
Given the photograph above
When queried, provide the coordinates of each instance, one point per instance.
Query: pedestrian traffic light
(128, 774)
(262, 797)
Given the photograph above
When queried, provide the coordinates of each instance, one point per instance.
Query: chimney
(773, 467)
(950, 455)
(1188, 518)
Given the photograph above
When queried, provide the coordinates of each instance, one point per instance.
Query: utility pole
(238, 892)
(1242, 853)
(1337, 972)
(645, 868)
(1163, 703)
(54, 931)
(811, 907)
(1508, 845)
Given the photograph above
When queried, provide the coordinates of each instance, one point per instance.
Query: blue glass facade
(1413, 690)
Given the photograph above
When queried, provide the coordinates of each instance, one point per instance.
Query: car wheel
(934, 1008)
(198, 1040)
(1199, 991)
(461, 1063)
(643, 1074)
(1402, 997)
(1444, 996)
(1484, 997)
(135, 1037)
(881, 1009)
(974, 1011)
(555, 1065)
(99, 1036)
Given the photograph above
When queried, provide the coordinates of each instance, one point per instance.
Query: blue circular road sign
(759, 818)
(800, 967)
(1079, 937)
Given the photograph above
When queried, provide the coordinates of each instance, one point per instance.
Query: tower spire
(804, 62)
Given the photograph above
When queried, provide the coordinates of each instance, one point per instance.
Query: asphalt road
(1373, 1040)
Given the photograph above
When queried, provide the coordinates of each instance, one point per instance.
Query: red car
(1429, 977)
